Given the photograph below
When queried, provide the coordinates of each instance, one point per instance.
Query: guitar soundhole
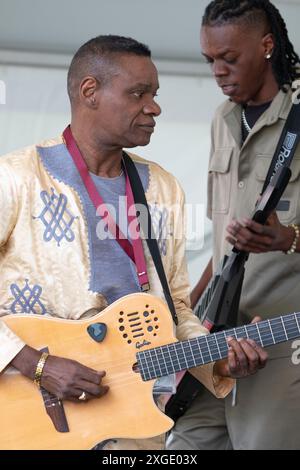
(139, 326)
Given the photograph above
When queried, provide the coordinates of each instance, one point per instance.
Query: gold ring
(82, 396)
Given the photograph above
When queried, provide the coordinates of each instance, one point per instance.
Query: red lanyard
(134, 249)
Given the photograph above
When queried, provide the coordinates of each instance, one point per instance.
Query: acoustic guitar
(133, 341)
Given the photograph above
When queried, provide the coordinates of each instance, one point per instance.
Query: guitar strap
(134, 248)
(287, 144)
(147, 228)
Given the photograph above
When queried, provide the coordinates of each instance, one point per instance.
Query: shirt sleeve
(189, 326)
(8, 204)
(10, 344)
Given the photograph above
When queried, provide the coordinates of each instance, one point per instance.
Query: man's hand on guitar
(245, 357)
(252, 237)
(69, 380)
(65, 378)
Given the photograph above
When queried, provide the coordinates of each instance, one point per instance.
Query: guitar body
(134, 323)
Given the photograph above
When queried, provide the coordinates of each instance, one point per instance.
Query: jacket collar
(279, 109)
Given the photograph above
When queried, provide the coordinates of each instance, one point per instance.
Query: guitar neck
(161, 361)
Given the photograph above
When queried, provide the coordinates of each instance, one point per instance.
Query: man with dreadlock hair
(247, 45)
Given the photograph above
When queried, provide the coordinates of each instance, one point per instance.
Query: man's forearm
(26, 361)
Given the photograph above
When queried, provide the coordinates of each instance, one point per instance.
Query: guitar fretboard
(164, 360)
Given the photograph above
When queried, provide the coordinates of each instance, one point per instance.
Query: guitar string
(205, 349)
(125, 378)
(128, 378)
(215, 344)
(240, 333)
(213, 340)
(221, 341)
(213, 347)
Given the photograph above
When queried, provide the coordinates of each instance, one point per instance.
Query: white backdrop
(37, 108)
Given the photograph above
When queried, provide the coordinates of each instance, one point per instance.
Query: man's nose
(152, 108)
(219, 69)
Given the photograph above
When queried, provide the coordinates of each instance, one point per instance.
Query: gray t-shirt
(116, 273)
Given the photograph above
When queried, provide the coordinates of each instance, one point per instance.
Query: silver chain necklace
(245, 122)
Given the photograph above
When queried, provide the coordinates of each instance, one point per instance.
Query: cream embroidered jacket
(46, 254)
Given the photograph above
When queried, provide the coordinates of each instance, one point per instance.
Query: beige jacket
(26, 260)
(236, 177)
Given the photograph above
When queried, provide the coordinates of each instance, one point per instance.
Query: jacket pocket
(220, 179)
(288, 208)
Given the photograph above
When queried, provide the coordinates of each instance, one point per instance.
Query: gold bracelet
(39, 369)
(294, 244)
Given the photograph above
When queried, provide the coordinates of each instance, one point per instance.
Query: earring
(269, 55)
(93, 100)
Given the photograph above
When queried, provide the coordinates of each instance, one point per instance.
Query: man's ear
(268, 45)
(87, 91)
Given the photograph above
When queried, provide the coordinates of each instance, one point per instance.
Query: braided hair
(285, 61)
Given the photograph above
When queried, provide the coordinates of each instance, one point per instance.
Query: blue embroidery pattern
(160, 226)
(27, 298)
(56, 217)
